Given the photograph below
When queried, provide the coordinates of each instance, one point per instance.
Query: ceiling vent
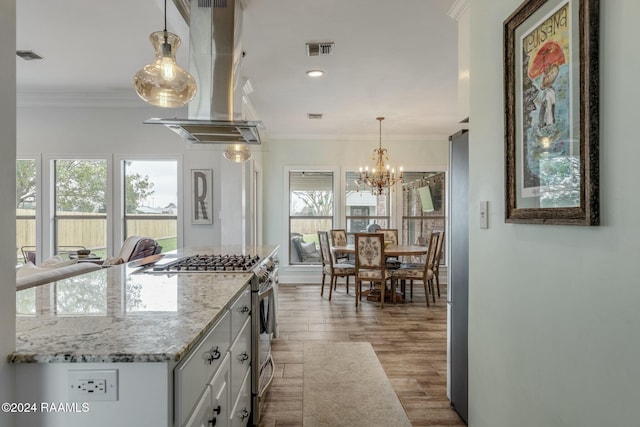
(319, 49)
(316, 116)
(28, 55)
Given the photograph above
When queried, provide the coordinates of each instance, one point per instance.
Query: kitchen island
(121, 347)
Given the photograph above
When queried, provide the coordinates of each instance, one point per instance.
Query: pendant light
(163, 83)
(237, 153)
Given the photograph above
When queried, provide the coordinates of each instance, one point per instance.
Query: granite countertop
(118, 314)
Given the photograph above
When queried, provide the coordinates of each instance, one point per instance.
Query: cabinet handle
(212, 421)
(212, 355)
(243, 414)
(245, 309)
(243, 357)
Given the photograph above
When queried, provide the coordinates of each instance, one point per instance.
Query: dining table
(390, 251)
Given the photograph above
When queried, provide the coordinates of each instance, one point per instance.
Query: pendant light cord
(165, 16)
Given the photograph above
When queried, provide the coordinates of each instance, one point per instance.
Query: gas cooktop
(209, 263)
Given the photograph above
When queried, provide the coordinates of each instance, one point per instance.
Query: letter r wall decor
(201, 196)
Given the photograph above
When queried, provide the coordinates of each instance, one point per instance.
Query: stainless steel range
(210, 263)
(264, 287)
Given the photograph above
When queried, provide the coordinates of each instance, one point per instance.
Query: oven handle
(266, 292)
(273, 374)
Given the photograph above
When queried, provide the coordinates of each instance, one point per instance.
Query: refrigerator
(458, 273)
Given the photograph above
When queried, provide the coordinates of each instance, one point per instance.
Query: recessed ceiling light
(315, 73)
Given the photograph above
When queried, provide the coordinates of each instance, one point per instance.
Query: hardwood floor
(409, 339)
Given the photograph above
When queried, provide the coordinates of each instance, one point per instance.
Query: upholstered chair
(339, 238)
(418, 271)
(371, 263)
(390, 235)
(331, 269)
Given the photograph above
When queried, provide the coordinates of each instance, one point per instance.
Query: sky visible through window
(163, 174)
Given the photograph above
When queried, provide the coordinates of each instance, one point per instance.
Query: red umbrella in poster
(549, 54)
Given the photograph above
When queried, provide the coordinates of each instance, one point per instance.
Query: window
(423, 206)
(25, 210)
(80, 218)
(364, 208)
(151, 200)
(310, 210)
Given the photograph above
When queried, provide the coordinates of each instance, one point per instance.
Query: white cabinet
(240, 312)
(240, 358)
(194, 373)
(213, 408)
(242, 408)
(216, 375)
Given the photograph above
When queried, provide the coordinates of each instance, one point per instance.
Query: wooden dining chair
(371, 263)
(331, 269)
(419, 271)
(390, 235)
(339, 238)
(436, 261)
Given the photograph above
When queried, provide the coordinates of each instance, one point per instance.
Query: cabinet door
(240, 312)
(241, 412)
(240, 358)
(196, 371)
(213, 407)
(202, 413)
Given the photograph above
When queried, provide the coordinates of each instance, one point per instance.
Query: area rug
(345, 385)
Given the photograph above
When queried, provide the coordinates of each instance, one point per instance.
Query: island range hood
(215, 115)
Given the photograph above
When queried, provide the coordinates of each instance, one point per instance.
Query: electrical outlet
(93, 385)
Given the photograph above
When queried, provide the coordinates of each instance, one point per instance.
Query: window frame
(55, 218)
(445, 207)
(337, 180)
(121, 228)
(37, 216)
(389, 217)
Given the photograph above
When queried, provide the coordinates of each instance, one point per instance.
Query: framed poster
(551, 112)
(201, 196)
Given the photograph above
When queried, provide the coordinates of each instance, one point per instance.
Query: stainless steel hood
(215, 55)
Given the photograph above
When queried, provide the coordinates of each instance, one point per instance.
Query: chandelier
(382, 177)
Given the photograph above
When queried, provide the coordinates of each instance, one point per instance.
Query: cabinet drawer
(240, 312)
(240, 358)
(242, 409)
(213, 407)
(194, 373)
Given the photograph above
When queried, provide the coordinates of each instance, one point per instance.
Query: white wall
(7, 212)
(88, 124)
(428, 154)
(554, 324)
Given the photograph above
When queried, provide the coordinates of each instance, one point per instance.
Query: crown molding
(112, 99)
(458, 9)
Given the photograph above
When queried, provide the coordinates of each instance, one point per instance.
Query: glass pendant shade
(164, 83)
(237, 153)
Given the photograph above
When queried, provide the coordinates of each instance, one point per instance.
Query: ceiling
(394, 59)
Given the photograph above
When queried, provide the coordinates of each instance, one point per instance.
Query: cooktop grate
(210, 263)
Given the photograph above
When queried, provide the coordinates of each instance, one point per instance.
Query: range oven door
(265, 325)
